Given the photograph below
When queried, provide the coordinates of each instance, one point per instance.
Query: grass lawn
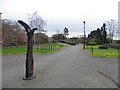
(103, 53)
(43, 49)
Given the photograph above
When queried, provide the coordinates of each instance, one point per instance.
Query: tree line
(61, 36)
(104, 34)
(98, 36)
(14, 35)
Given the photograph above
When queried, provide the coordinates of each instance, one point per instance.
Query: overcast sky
(63, 13)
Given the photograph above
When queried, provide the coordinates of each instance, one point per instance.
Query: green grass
(14, 50)
(0, 51)
(43, 49)
(103, 53)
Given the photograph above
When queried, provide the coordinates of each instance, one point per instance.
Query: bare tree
(112, 27)
(12, 34)
(36, 21)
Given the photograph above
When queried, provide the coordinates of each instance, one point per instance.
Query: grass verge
(103, 53)
(42, 49)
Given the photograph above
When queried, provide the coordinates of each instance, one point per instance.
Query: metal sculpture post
(29, 55)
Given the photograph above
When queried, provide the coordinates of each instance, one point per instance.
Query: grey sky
(63, 13)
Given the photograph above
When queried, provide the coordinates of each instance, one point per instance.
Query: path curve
(71, 67)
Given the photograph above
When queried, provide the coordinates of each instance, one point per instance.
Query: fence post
(92, 49)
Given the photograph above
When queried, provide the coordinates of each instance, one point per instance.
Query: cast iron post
(29, 55)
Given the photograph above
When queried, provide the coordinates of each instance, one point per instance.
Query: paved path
(72, 67)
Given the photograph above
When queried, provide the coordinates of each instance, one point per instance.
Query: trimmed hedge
(103, 47)
(70, 43)
(91, 43)
(115, 46)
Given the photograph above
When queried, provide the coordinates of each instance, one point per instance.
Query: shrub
(103, 47)
(118, 41)
(115, 46)
(62, 41)
(71, 43)
(91, 43)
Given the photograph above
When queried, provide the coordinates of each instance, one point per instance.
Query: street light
(0, 21)
(84, 35)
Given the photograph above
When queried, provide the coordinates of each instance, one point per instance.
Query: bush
(91, 43)
(118, 41)
(103, 47)
(115, 46)
(62, 41)
(70, 43)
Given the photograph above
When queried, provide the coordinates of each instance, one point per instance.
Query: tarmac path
(71, 67)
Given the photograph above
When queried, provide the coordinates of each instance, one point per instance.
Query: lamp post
(0, 21)
(84, 35)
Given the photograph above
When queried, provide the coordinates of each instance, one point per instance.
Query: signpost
(29, 56)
